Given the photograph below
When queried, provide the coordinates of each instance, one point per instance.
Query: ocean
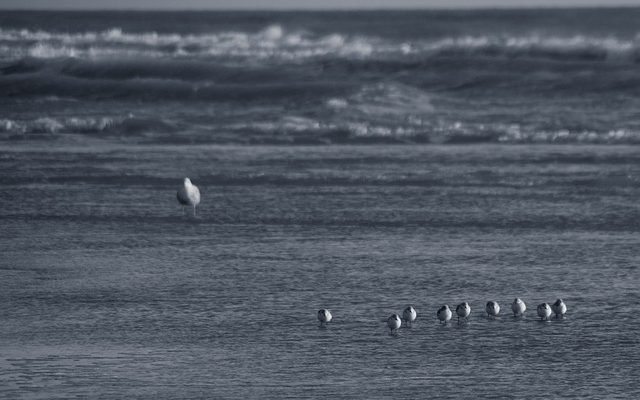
(355, 161)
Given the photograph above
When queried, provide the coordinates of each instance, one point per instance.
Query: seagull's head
(187, 181)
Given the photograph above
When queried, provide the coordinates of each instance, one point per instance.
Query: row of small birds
(463, 310)
(189, 195)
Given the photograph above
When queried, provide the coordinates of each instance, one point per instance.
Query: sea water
(352, 161)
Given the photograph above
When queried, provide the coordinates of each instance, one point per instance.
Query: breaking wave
(272, 42)
(276, 43)
(86, 125)
(334, 82)
(291, 129)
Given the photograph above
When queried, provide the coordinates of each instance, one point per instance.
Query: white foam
(334, 40)
(337, 103)
(55, 125)
(273, 32)
(41, 50)
(518, 134)
(46, 124)
(391, 99)
(275, 42)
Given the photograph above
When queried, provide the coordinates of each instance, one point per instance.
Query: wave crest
(293, 129)
(85, 125)
(276, 43)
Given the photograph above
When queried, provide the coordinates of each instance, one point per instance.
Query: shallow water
(109, 290)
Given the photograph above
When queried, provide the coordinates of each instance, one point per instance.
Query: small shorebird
(324, 316)
(463, 310)
(409, 315)
(189, 195)
(444, 313)
(544, 311)
(492, 308)
(559, 308)
(518, 307)
(394, 322)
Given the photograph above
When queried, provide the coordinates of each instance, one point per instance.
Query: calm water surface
(109, 290)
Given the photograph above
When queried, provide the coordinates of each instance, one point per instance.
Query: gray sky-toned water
(304, 4)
